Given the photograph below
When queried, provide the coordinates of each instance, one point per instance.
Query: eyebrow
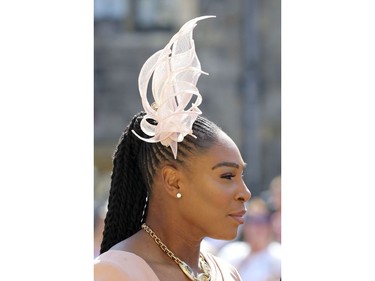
(227, 164)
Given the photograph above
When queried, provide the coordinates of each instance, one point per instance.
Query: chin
(228, 234)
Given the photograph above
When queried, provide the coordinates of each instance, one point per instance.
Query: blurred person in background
(257, 257)
(275, 201)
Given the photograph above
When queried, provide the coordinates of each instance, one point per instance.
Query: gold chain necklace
(186, 269)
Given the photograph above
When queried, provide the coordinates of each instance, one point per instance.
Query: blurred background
(241, 51)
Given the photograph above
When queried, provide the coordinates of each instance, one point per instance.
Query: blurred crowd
(256, 253)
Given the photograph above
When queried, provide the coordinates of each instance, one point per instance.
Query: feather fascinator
(175, 71)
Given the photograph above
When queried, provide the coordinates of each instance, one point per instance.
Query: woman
(177, 178)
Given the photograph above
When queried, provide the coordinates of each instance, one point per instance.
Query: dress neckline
(148, 267)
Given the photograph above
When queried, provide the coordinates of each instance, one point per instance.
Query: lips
(238, 216)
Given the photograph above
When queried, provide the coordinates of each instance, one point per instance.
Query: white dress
(115, 265)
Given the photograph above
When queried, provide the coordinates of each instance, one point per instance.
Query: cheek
(220, 197)
(213, 193)
(204, 188)
(208, 206)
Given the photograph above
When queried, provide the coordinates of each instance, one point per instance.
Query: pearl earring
(178, 195)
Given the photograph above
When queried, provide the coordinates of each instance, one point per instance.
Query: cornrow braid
(134, 165)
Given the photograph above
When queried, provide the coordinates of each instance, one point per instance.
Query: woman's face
(214, 192)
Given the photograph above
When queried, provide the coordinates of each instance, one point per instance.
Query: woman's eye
(227, 176)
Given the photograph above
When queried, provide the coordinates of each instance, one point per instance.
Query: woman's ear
(170, 177)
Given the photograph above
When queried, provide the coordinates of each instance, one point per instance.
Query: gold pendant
(187, 270)
(205, 267)
(203, 277)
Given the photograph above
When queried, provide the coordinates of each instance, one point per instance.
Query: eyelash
(229, 176)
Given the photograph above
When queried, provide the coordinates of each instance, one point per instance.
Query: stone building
(240, 49)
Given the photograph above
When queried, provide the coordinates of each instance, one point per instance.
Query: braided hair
(134, 165)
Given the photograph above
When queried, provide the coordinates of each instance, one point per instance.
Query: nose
(243, 193)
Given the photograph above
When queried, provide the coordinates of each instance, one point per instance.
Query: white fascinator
(175, 71)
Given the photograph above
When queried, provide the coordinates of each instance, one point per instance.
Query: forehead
(224, 150)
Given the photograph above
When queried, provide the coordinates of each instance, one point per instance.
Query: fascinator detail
(175, 71)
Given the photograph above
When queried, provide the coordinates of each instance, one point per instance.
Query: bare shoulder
(138, 244)
(141, 245)
(131, 244)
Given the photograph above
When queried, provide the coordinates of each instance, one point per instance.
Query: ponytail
(128, 192)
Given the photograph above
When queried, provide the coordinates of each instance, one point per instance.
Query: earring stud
(178, 195)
